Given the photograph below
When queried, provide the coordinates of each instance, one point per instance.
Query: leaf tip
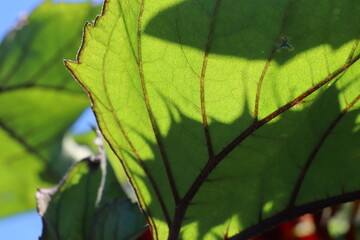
(43, 198)
(71, 65)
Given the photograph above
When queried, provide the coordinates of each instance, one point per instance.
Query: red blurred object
(146, 235)
(286, 231)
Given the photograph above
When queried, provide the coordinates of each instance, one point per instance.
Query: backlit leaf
(229, 116)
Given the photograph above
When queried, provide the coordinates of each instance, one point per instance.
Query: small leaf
(68, 208)
(88, 204)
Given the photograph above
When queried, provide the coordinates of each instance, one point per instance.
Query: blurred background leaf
(87, 140)
(39, 100)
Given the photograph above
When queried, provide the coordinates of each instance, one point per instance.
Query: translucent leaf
(229, 117)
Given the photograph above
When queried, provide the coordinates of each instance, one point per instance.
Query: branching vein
(211, 165)
(310, 160)
(267, 64)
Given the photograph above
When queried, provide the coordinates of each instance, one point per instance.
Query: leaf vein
(210, 166)
(32, 150)
(311, 158)
(117, 120)
(202, 80)
(150, 113)
(267, 64)
(128, 173)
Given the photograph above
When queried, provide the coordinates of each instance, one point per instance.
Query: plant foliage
(38, 99)
(88, 204)
(228, 116)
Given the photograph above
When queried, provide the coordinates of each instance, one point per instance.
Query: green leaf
(118, 220)
(229, 117)
(68, 208)
(39, 99)
(87, 139)
(88, 204)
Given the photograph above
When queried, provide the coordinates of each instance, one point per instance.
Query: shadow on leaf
(253, 188)
(257, 29)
